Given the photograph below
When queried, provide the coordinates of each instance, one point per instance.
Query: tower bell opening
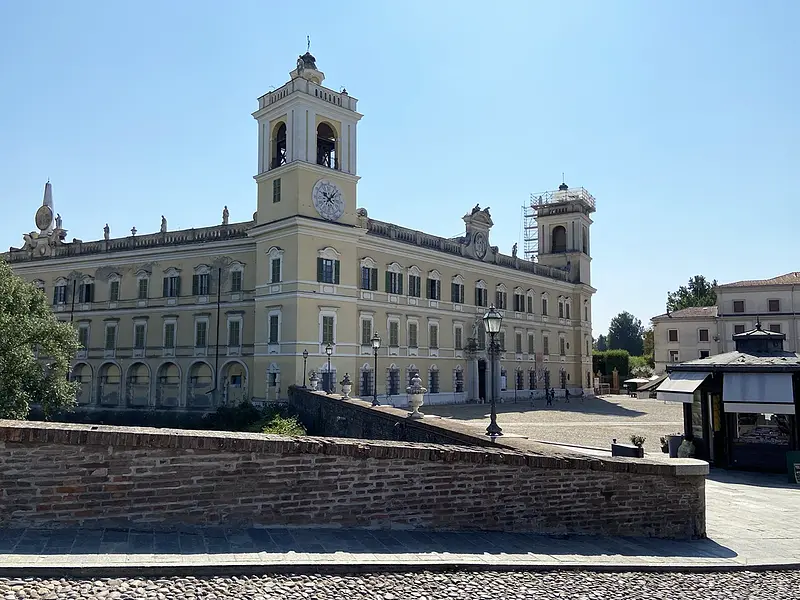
(326, 147)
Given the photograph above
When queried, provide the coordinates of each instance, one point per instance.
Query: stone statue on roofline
(163, 224)
(225, 215)
(106, 232)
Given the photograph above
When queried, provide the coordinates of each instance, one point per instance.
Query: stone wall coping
(35, 432)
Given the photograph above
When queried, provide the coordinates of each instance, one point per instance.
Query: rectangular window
(501, 341)
(434, 289)
(457, 293)
(275, 270)
(459, 382)
(738, 306)
(775, 327)
(774, 305)
(143, 288)
(412, 335)
(60, 294)
(83, 336)
(200, 334)
(273, 329)
(544, 307)
(113, 291)
(433, 336)
(562, 346)
(235, 333)
(111, 337)
(481, 296)
(500, 300)
(560, 310)
(276, 190)
(394, 334)
(672, 335)
(414, 286)
(673, 356)
(328, 330)
(366, 332)
(394, 283)
(531, 346)
(702, 335)
(519, 303)
(328, 271)
(566, 311)
(236, 281)
(169, 335)
(457, 338)
(366, 383)
(704, 353)
(518, 343)
(201, 284)
(172, 286)
(366, 278)
(530, 304)
(531, 379)
(394, 382)
(737, 329)
(139, 335)
(545, 345)
(433, 382)
(86, 293)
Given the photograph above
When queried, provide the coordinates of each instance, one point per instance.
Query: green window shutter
(373, 280)
(336, 272)
(55, 294)
(178, 286)
(388, 282)
(195, 285)
(400, 278)
(319, 269)
(166, 286)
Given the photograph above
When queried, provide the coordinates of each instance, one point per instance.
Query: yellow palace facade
(195, 318)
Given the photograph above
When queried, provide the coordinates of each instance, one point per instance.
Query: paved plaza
(592, 422)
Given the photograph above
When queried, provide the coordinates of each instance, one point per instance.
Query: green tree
(626, 333)
(699, 292)
(27, 323)
(649, 347)
(602, 343)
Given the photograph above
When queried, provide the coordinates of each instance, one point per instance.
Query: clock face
(44, 217)
(480, 245)
(328, 200)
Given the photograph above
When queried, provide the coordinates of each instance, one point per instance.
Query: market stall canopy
(758, 393)
(680, 386)
(636, 380)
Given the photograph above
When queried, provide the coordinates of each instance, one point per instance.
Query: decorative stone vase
(347, 385)
(313, 381)
(417, 392)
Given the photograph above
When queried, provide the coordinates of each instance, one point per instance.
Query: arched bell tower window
(326, 146)
(279, 149)
(559, 239)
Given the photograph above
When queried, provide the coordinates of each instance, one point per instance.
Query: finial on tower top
(308, 45)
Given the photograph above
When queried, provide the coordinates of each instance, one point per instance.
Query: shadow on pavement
(589, 406)
(762, 480)
(283, 540)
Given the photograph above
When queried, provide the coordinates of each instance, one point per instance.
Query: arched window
(326, 146)
(279, 156)
(559, 243)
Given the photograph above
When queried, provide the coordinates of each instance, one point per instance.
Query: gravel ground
(593, 422)
(421, 586)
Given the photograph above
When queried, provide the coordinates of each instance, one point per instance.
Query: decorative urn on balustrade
(416, 391)
(313, 381)
(347, 385)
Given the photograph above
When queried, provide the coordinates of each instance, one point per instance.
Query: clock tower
(307, 149)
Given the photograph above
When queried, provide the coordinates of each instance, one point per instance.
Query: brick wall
(57, 475)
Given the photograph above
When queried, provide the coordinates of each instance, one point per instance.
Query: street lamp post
(305, 360)
(376, 344)
(329, 351)
(491, 323)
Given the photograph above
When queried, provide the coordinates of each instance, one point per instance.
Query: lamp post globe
(376, 344)
(329, 351)
(492, 321)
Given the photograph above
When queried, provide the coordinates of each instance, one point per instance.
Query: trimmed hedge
(606, 361)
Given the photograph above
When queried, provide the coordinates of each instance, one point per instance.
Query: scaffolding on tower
(563, 195)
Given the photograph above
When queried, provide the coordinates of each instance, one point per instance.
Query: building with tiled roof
(699, 332)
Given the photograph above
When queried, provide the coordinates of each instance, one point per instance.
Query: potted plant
(347, 385)
(638, 441)
(664, 444)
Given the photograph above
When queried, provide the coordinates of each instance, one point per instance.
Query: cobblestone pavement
(421, 586)
(591, 422)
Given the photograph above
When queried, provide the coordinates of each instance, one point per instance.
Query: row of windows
(171, 286)
(523, 302)
(168, 335)
(675, 356)
(703, 335)
(773, 305)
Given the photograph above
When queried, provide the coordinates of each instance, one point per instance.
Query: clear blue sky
(681, 117)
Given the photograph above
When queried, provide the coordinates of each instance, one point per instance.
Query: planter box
(627, 450)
